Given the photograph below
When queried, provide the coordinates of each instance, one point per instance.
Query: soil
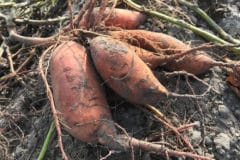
(25, 114)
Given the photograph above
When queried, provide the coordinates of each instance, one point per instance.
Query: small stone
(222, 140)
(208, 141)
(210, 149)
(197, 124)
(226, 122)
(206, 79)
(19, 152)
(219, 102)
(228, 156)
(223, 111)
(214, 111)
(237, 134)
(3, 123)
(148, 25)
(217, 69)
(199, 151)
(31, 140)
(237, 113)
(196, 136)
(232, 130)
(235, 151)
(238, 4)
(156, 29)
(149, 20)
(212, 134)
(141, 27)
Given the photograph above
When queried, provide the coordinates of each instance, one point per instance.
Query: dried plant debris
(202, 124)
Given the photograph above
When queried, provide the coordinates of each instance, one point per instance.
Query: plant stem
(210, 21)
(46, 141)
(183, 24)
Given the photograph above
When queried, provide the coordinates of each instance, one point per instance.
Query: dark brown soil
(25, 114)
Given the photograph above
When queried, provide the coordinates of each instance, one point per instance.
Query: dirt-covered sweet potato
(78, 96)
(125, 72)
(195, 63)
(121, 18)
(152, 41)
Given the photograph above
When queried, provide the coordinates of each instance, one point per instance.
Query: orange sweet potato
(125, 72)
(152, 59)
(151, 41)
(122, 18)
(78, 96)
(195, 63)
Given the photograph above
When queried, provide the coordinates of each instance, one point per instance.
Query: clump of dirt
(25, 115)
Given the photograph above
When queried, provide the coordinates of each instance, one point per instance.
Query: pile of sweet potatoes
(124, 60)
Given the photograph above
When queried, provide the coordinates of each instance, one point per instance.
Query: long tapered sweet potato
(79, 98)
(193, 63)
(151, 41)
(190, 64)
(158, 42)
(125, 72)
(122, 18)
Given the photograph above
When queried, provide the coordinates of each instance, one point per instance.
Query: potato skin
(125, 72)
(78, 96)
(150, 58)
(192, 63)
(122, 18)
(195, 63)
(152, 41)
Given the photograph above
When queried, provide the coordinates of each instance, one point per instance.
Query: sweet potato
(158, 42)
(125, 72)
(80, 99)
(78, 95)
(152, 59)
(122, 18)
(151, 41)
(194, 63)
